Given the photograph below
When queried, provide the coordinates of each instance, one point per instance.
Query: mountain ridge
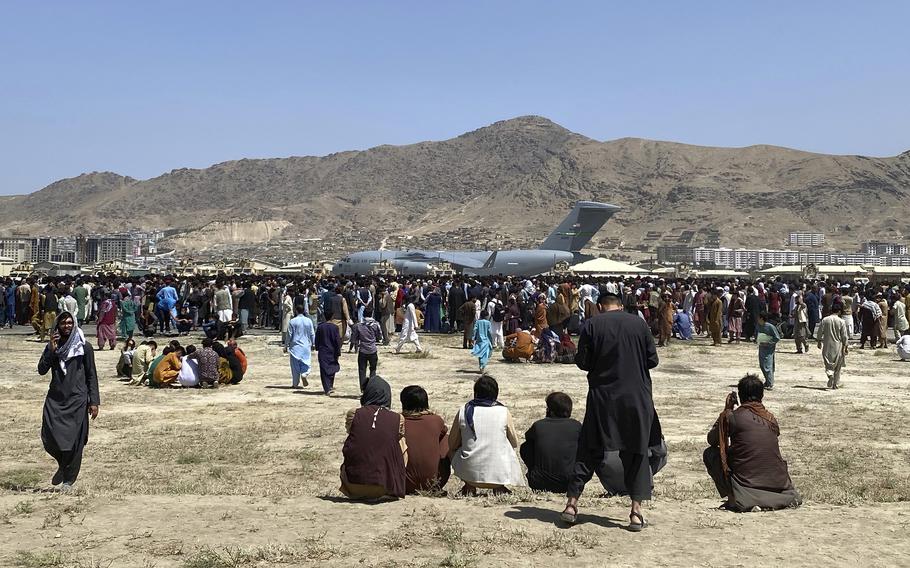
(512, 176)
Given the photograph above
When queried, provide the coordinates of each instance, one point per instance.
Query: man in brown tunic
(715, 310)
(744, 457)
(665, 314)
(883, 321)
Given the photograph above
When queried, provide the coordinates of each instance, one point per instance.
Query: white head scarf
(74, 345)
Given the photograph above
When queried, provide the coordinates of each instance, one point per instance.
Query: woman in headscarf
(513, 317)
(483, 341)
(432, 321)
(547, 347)
(72, 397)
(482, 442)
(107, 317)
(558, 314)
(375, 451)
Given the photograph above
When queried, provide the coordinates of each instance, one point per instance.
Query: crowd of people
(390, 454)
(619, 324)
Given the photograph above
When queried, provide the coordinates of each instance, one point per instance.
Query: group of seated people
(387, 454)
(182, 366)
(549, 347)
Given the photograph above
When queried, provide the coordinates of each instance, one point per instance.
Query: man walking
(301, 337)
(364, 336)
(767, 337)
(617, 350)
(832, 340)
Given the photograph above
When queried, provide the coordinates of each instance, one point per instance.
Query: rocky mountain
(516, 177)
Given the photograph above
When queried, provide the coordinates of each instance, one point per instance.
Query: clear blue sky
(140, 88)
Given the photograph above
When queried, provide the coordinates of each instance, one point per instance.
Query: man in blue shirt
(301, 337)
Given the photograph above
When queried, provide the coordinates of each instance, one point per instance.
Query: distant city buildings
(675, 254)
(745, 259)
(19, 250)
(805, 239)
(879, 248)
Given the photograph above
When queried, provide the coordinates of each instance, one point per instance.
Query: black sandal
(637, 527)
(569, 518)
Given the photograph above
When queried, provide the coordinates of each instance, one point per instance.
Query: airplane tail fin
(576, 230)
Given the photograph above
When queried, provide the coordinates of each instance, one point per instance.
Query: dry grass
(22, 479)
(254, 470)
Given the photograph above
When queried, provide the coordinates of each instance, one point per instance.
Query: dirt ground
(248, 475)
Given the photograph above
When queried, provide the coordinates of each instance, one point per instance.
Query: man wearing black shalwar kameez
(617, 350)
(71, 398)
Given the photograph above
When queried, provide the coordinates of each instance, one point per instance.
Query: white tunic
(409, 325)
(488, 457)
(189, 372)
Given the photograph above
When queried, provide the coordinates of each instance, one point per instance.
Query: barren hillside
(516, 176)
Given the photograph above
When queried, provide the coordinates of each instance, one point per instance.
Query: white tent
(606, 266)
(721, 273)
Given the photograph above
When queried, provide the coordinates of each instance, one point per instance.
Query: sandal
(637, 527)
(569, 518)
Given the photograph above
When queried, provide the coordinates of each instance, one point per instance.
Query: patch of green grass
(39, 559)
(22, 479)
(218, 472)
(186, 459)
(312, 548)
(206, 558)
(310, 460)
(425, 354)
(24, 508)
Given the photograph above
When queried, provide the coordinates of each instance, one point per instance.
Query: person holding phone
(743, 457)
(72, 398)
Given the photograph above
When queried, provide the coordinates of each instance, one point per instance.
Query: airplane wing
(464, 259)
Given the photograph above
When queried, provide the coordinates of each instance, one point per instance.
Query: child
(125, 364)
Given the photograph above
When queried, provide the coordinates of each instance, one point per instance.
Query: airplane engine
(411, 267)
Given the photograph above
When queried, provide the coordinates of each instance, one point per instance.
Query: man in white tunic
(900, 318)
(408, 326)
(482, 442)
(832, 340)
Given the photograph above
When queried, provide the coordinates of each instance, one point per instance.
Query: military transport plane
(563, 244)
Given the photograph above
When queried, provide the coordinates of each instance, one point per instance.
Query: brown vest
(372, 455)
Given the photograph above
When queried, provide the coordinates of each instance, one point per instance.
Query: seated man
(232, 327)
(550, 446)
(208, 363)
(682, 325)
(610, 471)
(428, 467)
(189, 369)
(375, 452)
(566, 350)
(230, 368)
(482, 442)
(142, 358)
(149, 322)
(184, 321)
(210, 328)
(518, 346)
(744, 459)
(167, 370)
(903, 346)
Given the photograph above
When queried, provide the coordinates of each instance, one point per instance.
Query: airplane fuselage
(415, 262)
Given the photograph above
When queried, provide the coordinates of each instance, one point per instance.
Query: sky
(141, 88)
